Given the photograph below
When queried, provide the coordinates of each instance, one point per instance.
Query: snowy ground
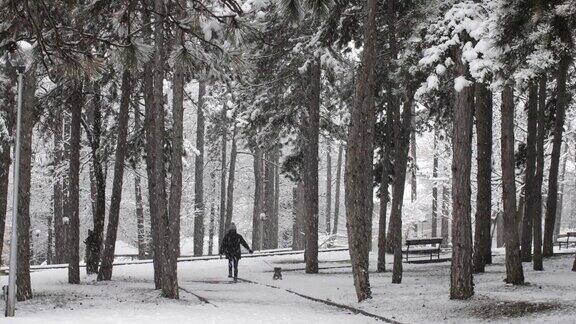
(208, 296)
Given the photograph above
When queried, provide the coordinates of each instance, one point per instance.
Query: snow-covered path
(208, 296)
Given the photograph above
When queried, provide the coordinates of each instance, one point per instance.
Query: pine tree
(483, 219)
(359, 160)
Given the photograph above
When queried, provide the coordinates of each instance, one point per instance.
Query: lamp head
(19, 55)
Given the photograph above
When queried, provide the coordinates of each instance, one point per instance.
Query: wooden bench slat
(424, 241)
(422, 251)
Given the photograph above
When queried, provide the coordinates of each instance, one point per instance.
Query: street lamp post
(17, 59)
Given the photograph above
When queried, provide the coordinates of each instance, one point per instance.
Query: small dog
(277, 273)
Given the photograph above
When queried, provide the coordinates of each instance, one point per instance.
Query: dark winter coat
(231, 245)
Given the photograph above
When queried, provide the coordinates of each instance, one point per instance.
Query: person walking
(230, 247)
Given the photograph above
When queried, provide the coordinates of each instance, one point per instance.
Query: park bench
(421, 246)
(564, 239)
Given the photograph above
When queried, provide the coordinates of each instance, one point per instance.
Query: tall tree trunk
(338, 185)
(141, 232)
(59, 241)
(400, 163)
(294, 218)
(413, 181)
(231, 178)
(561, 193)
(167, 224)
(175, 197)
(395, 224)
(461, 282)
(140, 225)
(384, 197)
(65, 185)
(6, 116)
(98, 187)
(444, 225)
(552, 199)
(258, 190)
(530, 172)
(539, 176)
(311, 128)
(223, 170)
(73, 205)
(199, 174)
(358, 178)
(328, 186)
(105, 271)
(153, 148)
(482, 238)
(434, 231)
(23, 285)
(298, 235)
(50, 240)
(276, 209)
(519, 214)
(211, 226)
(514, 271)
(270, 200)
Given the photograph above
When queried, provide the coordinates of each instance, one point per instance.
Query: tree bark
(105, 271)
(141, 232)
(23, 285)
(73, 205)
(269, 198)
(59, 238)
(400, 163)
(561, 193)
(270, 201)
(311, 128)
(552, 199)
(276, 207)
(328, 186)
(257, 208)
(384, 198)
(482, 238)
(153, 148)
(539, 176)
(298, 236)
(434, 223)
(337, 190)
(530, 172)
(6, 115)
(212, 227)
(231, 178)
(140, 224)
(50, 240)
(444, 225)
(175, 197)
(395, 224)
(359, 155)
(519, 214)
(223, 179)
(199, 174)
(514, 271)
(413, 182)
(98, 186)
(166, 221)
(461, 282)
